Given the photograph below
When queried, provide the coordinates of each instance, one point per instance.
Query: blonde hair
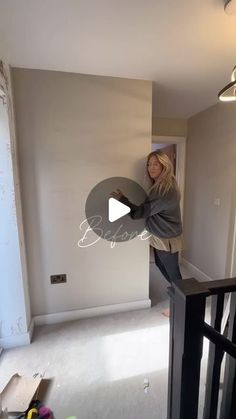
(166, 180)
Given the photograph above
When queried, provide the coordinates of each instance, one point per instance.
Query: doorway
(169, 149)
(175, 148)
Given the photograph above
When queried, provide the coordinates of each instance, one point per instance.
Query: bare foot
(166, 312)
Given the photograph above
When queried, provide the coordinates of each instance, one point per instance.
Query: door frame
(230, 269)
(180, 160)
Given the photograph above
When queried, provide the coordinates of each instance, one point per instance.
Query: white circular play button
(108, 217)
(116, 210)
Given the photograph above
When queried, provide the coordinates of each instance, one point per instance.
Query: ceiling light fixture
(230, 7)
(228, 93)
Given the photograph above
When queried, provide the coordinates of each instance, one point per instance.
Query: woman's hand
(117, 194)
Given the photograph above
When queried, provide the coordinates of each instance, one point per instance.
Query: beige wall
(211, 174)
(169, 127)
(73, 131)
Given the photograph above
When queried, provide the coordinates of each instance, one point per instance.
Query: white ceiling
(187, 47)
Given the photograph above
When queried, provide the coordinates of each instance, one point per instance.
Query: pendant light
(228, 93)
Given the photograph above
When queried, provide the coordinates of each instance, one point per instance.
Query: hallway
(98, 366)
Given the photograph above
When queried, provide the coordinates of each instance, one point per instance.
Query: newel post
(188, 300)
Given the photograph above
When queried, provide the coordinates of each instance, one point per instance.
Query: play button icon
(108, 217)
(116, 210)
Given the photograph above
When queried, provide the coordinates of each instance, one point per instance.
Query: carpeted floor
(99, 368)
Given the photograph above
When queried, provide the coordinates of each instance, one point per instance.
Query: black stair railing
(187, 330)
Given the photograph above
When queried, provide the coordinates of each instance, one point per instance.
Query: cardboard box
(18, 393)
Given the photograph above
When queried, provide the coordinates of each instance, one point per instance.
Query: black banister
(186, 316)
(214, 361)
(228, 405)
(187, 330)
(223, 343)
(221, 285)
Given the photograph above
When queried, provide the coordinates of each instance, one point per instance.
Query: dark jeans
(168, 263)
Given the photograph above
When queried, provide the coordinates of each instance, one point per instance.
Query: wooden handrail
(222, 342)
(221, 285)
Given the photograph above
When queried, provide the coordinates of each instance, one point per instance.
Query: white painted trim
(196, 272)
(230, 266)
(90, 312)
(17, 191)
(180, 172)
(180, 163)
(168, 139)
(233, 250)
(17, 340)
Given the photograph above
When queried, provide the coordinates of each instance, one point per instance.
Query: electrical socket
(58, 279)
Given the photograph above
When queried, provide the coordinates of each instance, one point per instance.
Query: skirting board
(90, 312)
(17, 340)
(195, 272)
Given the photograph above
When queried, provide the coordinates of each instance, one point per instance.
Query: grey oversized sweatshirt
(162, 213)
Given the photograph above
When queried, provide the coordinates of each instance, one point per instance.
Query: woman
(162, 213)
